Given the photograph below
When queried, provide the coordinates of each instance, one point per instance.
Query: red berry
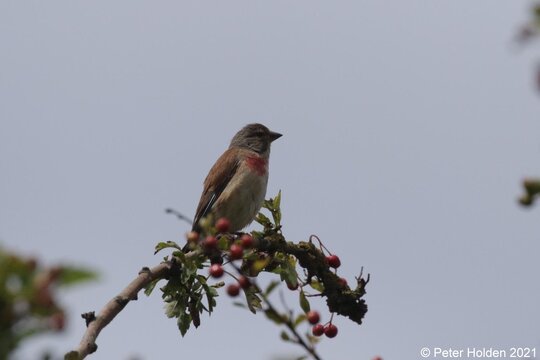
(292, 286)
(377, 358)
(210, 242)
(244, 282)
(223, 225)
(317, 330)
(236, 252)
(192, 237)
(313, 317)
(330, 330)
(216, 270)
(333, 261)
(343, 282)
(247, 241)
(233, 290)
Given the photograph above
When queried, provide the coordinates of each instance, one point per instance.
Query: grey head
(256, 137)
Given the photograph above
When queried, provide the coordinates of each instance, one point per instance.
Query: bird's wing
(219, 176)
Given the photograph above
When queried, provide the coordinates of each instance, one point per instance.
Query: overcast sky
(408, 126)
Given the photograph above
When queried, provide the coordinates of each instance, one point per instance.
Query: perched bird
(235, 187)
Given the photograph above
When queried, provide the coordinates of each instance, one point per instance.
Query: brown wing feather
(217, 179)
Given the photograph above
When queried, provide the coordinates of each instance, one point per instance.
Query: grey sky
(407, 128)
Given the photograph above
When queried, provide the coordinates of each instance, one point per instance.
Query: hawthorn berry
(333, 261)
(236, 252)
(210, 242)
(244, 282)
(330, 330)
(192, 237)
(313, 317)
(233, 290)
(317, 330)
(216, 270)
(223, 225)
(292, 286)
(247, 241)
(342, 281)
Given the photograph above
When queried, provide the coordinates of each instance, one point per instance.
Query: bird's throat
(257, 164)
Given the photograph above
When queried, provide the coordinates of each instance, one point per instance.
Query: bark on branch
(114, 306)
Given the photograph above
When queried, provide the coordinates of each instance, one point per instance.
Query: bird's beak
(274, 136)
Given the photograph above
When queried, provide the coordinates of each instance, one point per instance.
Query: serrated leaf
(253, 301)
(271, 287)
(274, 316)
(263, 220)
(304, 303)
(184, 321)
(276, 203)
(164, 245)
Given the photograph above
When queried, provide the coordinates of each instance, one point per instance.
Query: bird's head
(256, 137)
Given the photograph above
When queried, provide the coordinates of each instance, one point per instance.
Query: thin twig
(288, 323)
(179, 215)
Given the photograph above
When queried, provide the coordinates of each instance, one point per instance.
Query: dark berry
(236, 252)
(247, 241)
(333, 261)
(216, 270)
(233, 290)
(292, 286)
(313, 317)
(210, 242)
(330, 330)
(244, 282)
(223, 225)
(317, 330)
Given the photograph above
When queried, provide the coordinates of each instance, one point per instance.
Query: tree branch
(114, 306)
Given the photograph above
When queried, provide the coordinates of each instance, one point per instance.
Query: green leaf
(299, 319)
(184, 321)
(263, 220)
(316, 285)
(150, 287)
(70, 276)
(72, 355)
(284, 336)
(271, 287)
(276, 203)
(259, 264)
(253, 301)
(274, 316)
(304, 303)
(239, 304)
(163, 245)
